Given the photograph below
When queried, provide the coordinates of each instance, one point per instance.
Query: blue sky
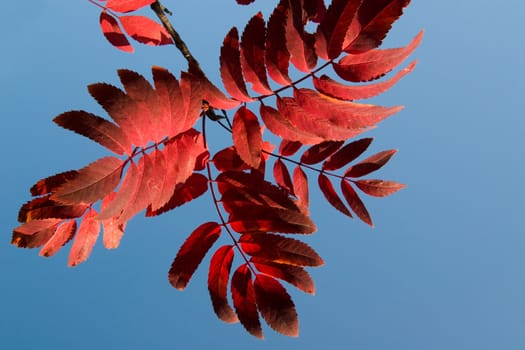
(442, 269)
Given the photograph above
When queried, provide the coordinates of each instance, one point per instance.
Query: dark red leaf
(331, 32)
(375, 63)
(145, 30)
(44, 208)
(127, 5)
(63, 234)
(348, 153)
(34, 233)
(192, 252)
(282, 176)
(252, 55)
(295, 275)
(300, 44)
(370, 164)
(332, 88)
(215, 97)
(372, 23)
(378, 188)
(276, 305)
(195, 186)
(231, 72)
(300, 187)
(96, 128)
(245, 2)
(92, 183)
(218, 278)
(279, 249)
(277, 55)
(113, 33)
(281, 126)
(355, 203)
(243, 297)
(289, 148)
(320, 152)
(331, 196)
(85, 239)
(228, 160)
(49, 184)
(247, 136)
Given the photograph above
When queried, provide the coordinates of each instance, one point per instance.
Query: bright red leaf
(63, 234)
(231, 72)
(127, 5)
(113, 33)
(145, 30)
(247, 137)
(85, 239)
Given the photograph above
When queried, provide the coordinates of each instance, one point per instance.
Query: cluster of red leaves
(139, 28)
(162, 155)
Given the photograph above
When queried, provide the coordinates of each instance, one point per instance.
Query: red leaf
(92, 183)
(355, 203)
(300, 187)
(289, 148)
(146, 103)
(276, 305)
(218, 278)
(332, 88)
(252, 55)
(123, 196)
(113, 33)
(145, 30)
(243, 297)
(49, 184)
(295, 275)
(342, 114)
(279, 249)
(85, 239)
(168, 89)
(370, 164)
(331, 196)
(378, 188)
(332, 30)
(348, 153)
(192, 252)
(63, 234)
(247, 136)
(281, 126)
(228, 160)
(191, 88)
(231, 72)
(127, 5)
(372, 23)
(96, 128)
(44, 208)
(277, 56)
(245, 2)
(300, 44)
(112, 229)
(320, 152)
(195, 186)
(282, 176)
(211, 93)
(34, 233)
(375, 63)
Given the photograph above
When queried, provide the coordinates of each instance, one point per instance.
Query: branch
(161, 11)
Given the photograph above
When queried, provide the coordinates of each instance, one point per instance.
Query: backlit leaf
(320, 152)
(228, 160)
(218, 278)
(378, 188)
(111, 228)
(295, 275)
(127, 5)
(279, 249)
(44, 208)
(300, 44)
(355, 203)
(63, 234)
(85, 239)
(346, 154)
(247, 137)
(34, 233)
(289, 148)
(276, 305)
(282, 176)
(276, 54)
(231, 72)
(145, 30)
(92, 183)
(331, 196)
(192, 252)
(49, 184)
(243, 297)
(370, 164)
(113, 33)
(278, 124)
(300, 187)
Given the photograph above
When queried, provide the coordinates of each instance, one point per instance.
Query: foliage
(161, 160)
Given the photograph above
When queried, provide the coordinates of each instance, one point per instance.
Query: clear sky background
(444, 268)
